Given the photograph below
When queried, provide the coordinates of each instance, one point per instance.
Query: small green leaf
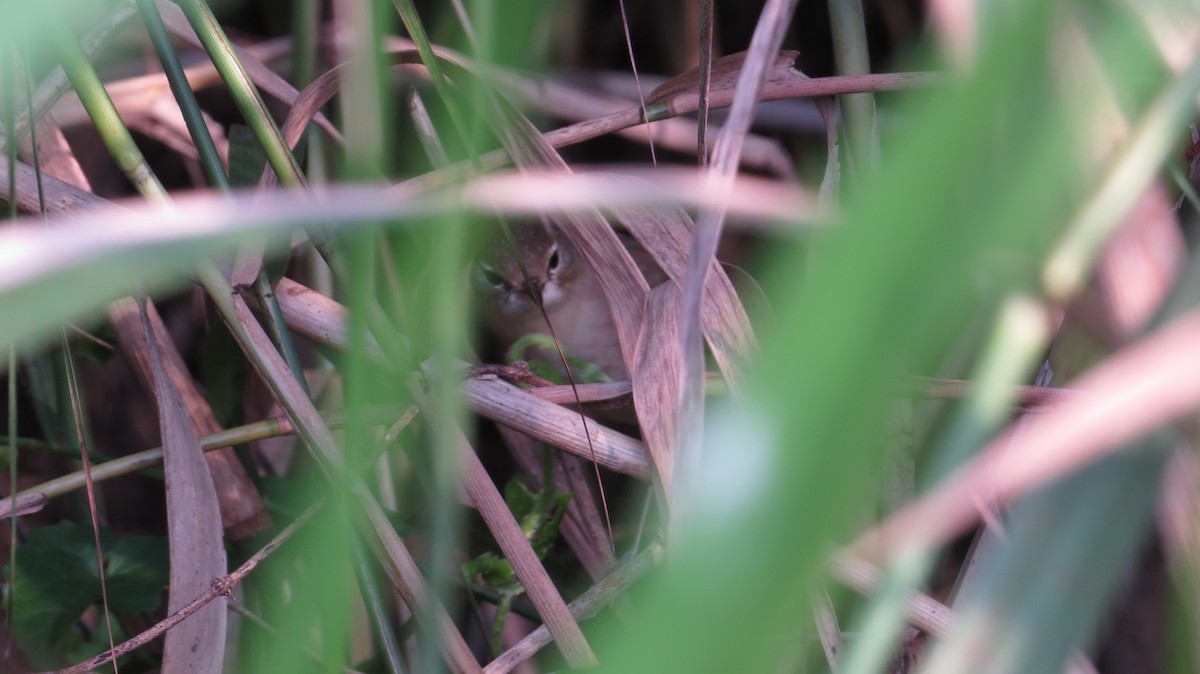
(494, 571)
(138, 569)
(585, 372)
(56, 579)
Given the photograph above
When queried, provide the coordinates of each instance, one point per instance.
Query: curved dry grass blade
(1136, 390)
(667, 234)
(655, 390)
(197, 552)
(751, 74)
(242, 509)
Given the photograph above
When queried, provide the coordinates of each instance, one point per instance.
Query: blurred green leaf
(56, 580)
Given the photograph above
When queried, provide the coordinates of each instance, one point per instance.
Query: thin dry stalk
(519, 553)
(221, 587)
(584, 607)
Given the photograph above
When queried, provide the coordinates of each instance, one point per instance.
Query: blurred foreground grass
(1020, 227)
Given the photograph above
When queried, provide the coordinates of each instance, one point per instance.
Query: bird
(568, 289)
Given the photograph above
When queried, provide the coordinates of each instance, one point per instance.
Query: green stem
(103, 113)
(850, 52)
(243, 91)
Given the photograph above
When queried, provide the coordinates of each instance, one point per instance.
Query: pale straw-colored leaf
(197, 552)
(506, 404)
(760, 62)
(657, 367)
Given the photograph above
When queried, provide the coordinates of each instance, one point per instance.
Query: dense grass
(960, 222)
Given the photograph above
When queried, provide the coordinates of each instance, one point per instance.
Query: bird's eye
(491, 278)
(553, 264)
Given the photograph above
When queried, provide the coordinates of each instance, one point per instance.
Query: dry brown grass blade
(588, 393)
(197, 552)
(657, 368)
(63, 200)
(667, 234)
(324, 321)
(785, 207)
(508, 405)
(761, 63)
(242, 510)
(241, 507)
(304, 109)
(520, 554)
(1141, 387)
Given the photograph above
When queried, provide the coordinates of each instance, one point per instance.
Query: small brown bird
(570, 292)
